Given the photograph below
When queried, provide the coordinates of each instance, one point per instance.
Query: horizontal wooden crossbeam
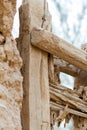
(65, 67)
(60, 96)
(54, 45)
(56, 107)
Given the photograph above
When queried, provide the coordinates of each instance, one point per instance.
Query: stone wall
(11, 92)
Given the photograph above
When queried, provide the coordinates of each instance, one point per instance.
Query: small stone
(1, 39)
(2, 53)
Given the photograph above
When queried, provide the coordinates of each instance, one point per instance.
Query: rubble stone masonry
(11, 92)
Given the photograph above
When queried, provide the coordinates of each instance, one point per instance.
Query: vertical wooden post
(36, 107)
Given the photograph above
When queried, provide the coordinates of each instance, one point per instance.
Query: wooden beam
(51, 68)
(64, 88)
(53, 44)
(36, 107)
(65, 67)
(66, 96)
(57, 107)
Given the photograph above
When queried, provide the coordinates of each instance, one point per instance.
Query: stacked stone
(11, 92)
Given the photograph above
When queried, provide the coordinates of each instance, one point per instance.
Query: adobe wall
(11, 92)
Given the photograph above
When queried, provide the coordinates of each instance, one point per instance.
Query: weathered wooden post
(36, 107)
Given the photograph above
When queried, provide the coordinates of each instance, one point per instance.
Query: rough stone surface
(7, 11)
(11, 92)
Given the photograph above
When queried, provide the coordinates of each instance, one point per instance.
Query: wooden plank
(58, 47)
(55, 106)
(65, 67)
(51, 68)
(64, 88)
(64, 100)
(36, 106)
(65, 96)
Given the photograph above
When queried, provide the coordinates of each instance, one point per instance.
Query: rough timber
(43, 100)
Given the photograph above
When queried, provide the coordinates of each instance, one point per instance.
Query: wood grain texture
(65, 67)
(53, 44)
(56, 107)
(36, 106)
(63, 96)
